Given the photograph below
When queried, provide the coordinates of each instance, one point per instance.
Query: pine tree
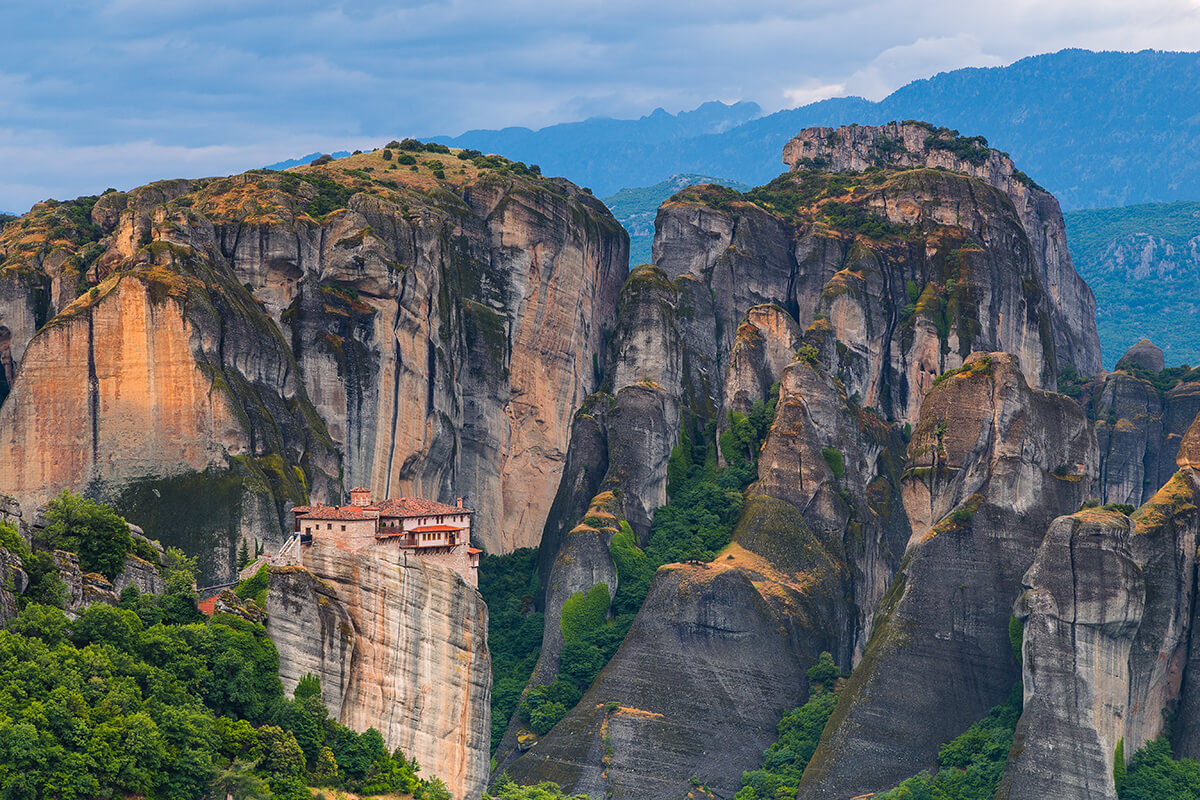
(243, 555)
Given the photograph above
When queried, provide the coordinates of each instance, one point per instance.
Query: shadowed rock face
(990, 464)
(1109, 617)
(1131, 437)
(858, 147)
(1139, 429)
(718, 651)
(895, 276)
(425, 336)
(399, 645)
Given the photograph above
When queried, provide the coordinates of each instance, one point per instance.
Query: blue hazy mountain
(1096, 129)
(308, 159)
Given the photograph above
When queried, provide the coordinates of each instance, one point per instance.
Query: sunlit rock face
(207, 354)
(399, 644)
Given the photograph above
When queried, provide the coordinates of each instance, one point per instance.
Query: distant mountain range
(1143, 264)
(308, 159)
(1096, 129)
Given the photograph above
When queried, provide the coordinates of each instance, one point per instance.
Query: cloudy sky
(98, 93)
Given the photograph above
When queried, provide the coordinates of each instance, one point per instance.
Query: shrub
(95, 531)
(322, 159)
(405, 158)
(11, 540)
(798, 734)
(255, 587)
(835, 461)
(387, 155)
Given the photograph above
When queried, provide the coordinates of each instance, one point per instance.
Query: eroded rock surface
(399, 644)
(277, 337)
(990, 464)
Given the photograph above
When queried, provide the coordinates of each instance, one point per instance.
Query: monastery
(433, 531)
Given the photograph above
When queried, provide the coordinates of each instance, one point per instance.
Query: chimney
(460, 502)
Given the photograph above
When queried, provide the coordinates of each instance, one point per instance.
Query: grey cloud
(204, 80)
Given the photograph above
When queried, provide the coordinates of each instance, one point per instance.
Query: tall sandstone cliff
(399, 645)
(853, 286)
(239, 345)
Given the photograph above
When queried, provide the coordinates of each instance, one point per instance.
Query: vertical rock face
(1129, 427)
(1109, 617)
(399, 645)
(896, 275)
(1083, 607)
(914, 268)
(286, 332)
(718, 652)
(916, 145)
(990, 464)
(111, 391)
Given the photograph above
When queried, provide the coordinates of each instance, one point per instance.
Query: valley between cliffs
(871, 388)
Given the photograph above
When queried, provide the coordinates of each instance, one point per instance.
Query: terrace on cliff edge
(426, 529)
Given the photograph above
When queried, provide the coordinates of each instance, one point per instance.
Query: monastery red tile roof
(338, 512)
(208, 607)
(360, 489)
(415, 507)
(473, 550)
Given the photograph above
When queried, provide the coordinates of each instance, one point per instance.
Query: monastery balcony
(426, 536)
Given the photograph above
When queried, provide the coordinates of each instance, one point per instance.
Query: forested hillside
(1143, 263)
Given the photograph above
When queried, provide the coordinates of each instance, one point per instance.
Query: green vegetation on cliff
(1153, 773)
(704, 503)
(509, 584)
(95, 531)
(799, 731)
(148, 698)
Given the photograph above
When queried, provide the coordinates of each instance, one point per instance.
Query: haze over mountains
(1095, 129)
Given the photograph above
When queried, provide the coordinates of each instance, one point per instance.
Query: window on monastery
(343, 527)
(328, 526)
(308, 528)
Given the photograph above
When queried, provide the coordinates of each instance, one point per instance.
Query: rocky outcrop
(897, 276)
(1139, 427)
(913, 268)
(287, 333)
(914, 145)
(1129, 429)
(399, 645)
(990, 464)
(1143, 355)
(13, 581)
(1109, 620)
(1083, 607)
(718, 651)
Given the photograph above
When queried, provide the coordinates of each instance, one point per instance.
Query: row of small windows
(328, 527)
